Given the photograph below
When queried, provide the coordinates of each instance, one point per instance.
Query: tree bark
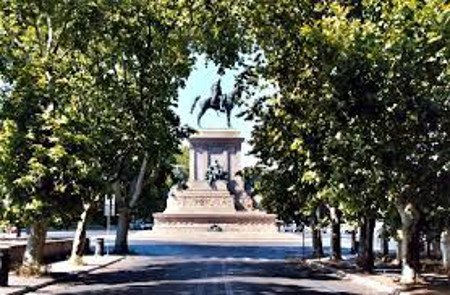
(354, 243)
(336, 252)
(137, 190)
(79, 240)
(398, 254)
(121, 245)
(446, 249)
(436, 247)
(365, 253)
(19, 231)
(410, 248)
(34, 250)
(362, 237)
(385, 242)
(317, 242)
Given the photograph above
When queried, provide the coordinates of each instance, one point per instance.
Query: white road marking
(226, 283)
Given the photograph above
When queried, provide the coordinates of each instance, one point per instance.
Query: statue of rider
(216, 96)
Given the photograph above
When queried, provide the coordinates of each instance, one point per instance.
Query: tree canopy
(362, 112)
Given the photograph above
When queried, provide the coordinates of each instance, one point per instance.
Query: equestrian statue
(219, 102)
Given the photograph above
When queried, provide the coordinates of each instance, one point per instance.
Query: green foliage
(362, 111)
(182, 159)
(92, 85)
(360, 116)
(43, 117)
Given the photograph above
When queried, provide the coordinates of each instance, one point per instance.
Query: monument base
(201, 208)
(245, 222)
(217, 206)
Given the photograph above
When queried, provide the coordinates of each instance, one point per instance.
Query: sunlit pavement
(171, 268)
(136, 236)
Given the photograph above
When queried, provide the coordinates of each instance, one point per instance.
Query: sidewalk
(56, 272)
(385, 281)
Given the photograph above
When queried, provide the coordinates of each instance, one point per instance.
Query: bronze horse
(228, 102)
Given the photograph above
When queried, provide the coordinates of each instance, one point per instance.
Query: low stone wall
(54, 250)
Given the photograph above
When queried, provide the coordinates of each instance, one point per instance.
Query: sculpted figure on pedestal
(223, 103)
(217, 99)
(214, 173)
(243, 200)
(180, 179)
(171, 202)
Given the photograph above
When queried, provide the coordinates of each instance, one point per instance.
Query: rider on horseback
(216, 96)
(217, 101)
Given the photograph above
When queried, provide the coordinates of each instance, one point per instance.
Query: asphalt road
(163, 268)
(109, 238)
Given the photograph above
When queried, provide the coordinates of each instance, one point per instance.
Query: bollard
(99, 247)
(87, 246)
(4, 267)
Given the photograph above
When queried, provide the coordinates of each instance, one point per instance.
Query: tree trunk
(410, 246)
(436, 247)
(121, 245)
(34, 250)
(365, 253)
(19, 231)
(398, 254)
(354, 243)
(139, 184)
(317, 242)
(362, 238)
(335, 214)
(446, 249)
(428, 248)
(385, 242)
(79, 240)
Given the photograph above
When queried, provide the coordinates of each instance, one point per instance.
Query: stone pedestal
(209, 146)
(200, 207)
(237, 222)
(200, 198)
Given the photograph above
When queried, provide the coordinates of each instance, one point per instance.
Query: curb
(67, 277)
(369, 283)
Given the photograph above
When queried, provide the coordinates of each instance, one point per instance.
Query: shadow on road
(205, 269)
(205, 277)
(211, 289)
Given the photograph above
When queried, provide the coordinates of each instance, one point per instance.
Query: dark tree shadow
(208, 289)
(169, 268)
(206, 277)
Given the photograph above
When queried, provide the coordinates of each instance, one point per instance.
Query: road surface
(167, 268)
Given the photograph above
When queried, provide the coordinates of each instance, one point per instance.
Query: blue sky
(199, 83)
